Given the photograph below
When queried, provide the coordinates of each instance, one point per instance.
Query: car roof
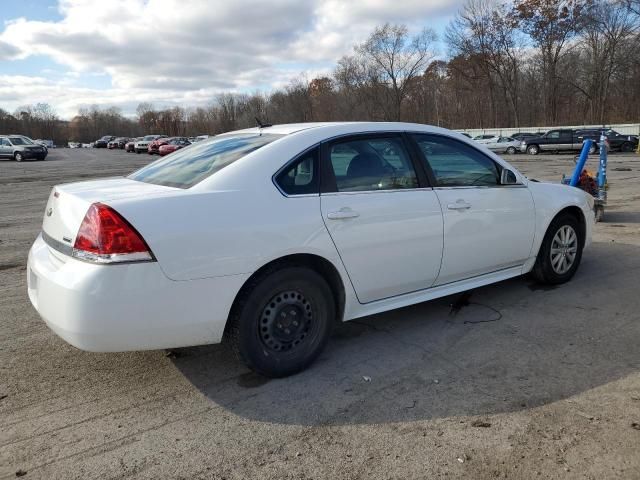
(295, 138)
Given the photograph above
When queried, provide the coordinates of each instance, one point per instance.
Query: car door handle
(459, 205)
(343, 213)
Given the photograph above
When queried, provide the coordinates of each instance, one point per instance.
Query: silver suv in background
(21, 148)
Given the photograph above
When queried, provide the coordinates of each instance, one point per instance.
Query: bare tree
(551, 24)
(396, 59)
(485, 28)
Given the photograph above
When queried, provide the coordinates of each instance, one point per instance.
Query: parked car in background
(172, 145)
(118, 142)
(74, 145)
(487, 138)
(234, 238)
(617, 141)
(21, 148)
(143, 145)
(131, 144)
(45, 143)
(556, 140)
(154, 147)
(199, 138)
(523, 135)
(103, 141)
(504, 145)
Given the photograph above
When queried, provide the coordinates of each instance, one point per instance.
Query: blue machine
(601, 197)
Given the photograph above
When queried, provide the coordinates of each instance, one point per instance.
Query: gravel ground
(511, 381)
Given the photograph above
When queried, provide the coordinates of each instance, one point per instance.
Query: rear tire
(282, 321)
(626, 147)
(561, 251)
(593, 149)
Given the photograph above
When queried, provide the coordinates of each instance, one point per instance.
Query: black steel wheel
(281, 321)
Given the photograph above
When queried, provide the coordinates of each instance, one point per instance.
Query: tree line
(522, 64)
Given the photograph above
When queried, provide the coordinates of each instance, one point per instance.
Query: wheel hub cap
(285, 321)
(564, 248)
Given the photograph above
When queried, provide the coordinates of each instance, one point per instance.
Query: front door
(5, 148)
(487, 226)
(386, 228)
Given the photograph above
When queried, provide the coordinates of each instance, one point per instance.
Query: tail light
(105, 237)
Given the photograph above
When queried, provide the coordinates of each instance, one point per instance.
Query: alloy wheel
(564, 248)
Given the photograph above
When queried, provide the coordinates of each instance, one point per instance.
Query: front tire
(533, 149)
(593, 149)
(560, 252)
(282, 321)
(511, 150)
(18, 157)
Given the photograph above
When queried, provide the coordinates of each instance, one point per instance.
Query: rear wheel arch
(316, 263)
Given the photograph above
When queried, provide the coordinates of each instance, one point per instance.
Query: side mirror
(507, 177)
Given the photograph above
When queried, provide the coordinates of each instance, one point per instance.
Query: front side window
(369, 164)
(301, 176)
(456, 164)
(18, 141)
(188, 166)
(553, 134)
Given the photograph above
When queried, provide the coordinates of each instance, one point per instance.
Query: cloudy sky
(71, 53)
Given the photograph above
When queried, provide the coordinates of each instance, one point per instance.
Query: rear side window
(301, 176)
(188, 166)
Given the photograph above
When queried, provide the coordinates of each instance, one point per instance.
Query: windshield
(148, 138)
(20, 141)
(188, 166)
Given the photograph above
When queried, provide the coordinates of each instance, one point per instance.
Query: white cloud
(190, 49)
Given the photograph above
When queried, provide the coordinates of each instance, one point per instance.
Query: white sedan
(267, 237)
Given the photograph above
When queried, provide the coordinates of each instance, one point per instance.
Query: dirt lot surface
(514, 381)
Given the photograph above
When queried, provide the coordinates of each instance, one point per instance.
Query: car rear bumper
(110, 308)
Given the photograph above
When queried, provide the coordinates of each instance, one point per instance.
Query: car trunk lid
(68, 204)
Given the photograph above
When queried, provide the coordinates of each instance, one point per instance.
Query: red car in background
(154, 147)
(174, 144)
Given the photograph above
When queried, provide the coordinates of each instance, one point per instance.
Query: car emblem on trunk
(49, 211)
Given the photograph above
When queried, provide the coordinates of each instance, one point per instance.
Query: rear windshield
(188, 166)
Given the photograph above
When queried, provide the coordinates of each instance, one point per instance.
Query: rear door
(487, 226)
(384, 221)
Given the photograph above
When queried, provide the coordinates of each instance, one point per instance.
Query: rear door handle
(459, 205)
(343, 213)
